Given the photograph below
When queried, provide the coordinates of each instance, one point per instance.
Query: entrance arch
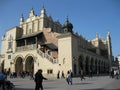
(19, 64)
(29, 64)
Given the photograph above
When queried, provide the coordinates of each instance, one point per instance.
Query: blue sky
(87, 16)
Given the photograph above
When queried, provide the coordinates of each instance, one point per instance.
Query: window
(9, 56)
(49, 71)
(9, 45)
(10, 42)
(49, 52)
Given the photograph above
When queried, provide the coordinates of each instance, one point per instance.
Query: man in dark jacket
(39, 79)
(2, 80)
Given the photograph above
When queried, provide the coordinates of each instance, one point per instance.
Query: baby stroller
(9, 85)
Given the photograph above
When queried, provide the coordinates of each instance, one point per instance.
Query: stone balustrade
(26, 47)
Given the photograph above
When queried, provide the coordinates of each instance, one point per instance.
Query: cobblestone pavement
(95, 83)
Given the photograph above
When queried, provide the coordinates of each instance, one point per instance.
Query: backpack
(2, 76)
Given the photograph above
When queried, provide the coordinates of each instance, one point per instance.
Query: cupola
(67, 27)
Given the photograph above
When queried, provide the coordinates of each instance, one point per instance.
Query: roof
(50, 45)
(27, 36)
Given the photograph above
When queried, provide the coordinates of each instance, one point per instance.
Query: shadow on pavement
(99, 89)
(23, 89)
(81, 83)
(33, 89)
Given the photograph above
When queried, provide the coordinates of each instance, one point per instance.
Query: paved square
(95, 83)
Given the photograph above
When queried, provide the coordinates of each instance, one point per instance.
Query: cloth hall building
(41, 43)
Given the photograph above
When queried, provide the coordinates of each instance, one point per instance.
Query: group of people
(70, 75)
(114, 74)
(38, 78)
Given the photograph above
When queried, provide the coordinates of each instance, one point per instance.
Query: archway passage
(80, 62)
(87, 66)
(19, 65)
(29, 64)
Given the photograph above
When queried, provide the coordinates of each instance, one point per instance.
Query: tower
(109, 50)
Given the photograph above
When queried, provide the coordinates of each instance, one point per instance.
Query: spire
(21, 19)
(43, 12)
(32, 13)
(67, 19)
(108, 36)
(97, 36)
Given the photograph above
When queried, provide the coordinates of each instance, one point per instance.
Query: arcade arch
(29, 64)
(80, 62)
(19, 64)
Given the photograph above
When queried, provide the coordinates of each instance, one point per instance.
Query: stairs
(48, 57)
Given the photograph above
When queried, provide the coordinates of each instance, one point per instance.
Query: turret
(32, 13)
(97, 41)
(109, 45)
(108, 39)
(21, 19)
(43, 12)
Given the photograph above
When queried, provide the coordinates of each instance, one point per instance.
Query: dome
(68, 25)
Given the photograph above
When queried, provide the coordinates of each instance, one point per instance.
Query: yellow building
(41, 43)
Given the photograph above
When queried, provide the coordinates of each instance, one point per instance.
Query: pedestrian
(39, 79)
(90, 73)
(31, 76)
(58, 75)
(63, 76)
(112, 74)
(69, 78)
(2, 80)
(82, 75)
(117, 75)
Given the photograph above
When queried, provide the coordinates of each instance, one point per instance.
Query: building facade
(118, 60)
(41, 43)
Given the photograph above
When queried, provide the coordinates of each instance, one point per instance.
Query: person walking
(58, 75)
(2, 80)
(69, 78)
(90, 73)
(63, 76)
(39, 79)
(82, 75)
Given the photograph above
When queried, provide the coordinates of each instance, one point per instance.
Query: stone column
(24, 66)
(13, 67)
(89, 66)
(36, 39)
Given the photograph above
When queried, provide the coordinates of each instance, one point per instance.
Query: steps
(48, 57)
